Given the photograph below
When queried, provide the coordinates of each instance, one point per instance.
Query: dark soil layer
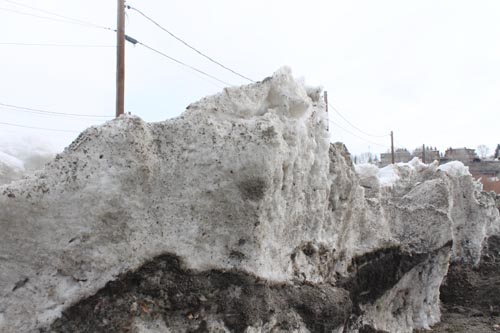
(471, 295)
(369, 329)
(185, 300)
(374, 273)
(189, 301)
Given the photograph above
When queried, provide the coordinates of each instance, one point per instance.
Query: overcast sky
(428, 70)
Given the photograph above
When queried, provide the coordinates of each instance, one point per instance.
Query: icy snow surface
(389, 175)
(455, 168)
(11, 162)
(22, 157)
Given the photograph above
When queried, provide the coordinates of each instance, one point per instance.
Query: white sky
(428, 70)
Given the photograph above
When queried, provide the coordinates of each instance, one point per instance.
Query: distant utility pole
(325, 96)
(392, 147)
(423, 153)
(120, 59)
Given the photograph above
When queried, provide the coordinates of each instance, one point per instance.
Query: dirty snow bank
(450, 183)
(244, 182)
(426, 208)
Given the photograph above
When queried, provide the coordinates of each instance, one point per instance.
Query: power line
(5, 109)
(39, 128)
(188, 45)
(38, 111)
(211, 81)
(354, 126)
(42, 17)
(135, 41)
(359, 137)
(58, 15)
(58, 45)
(67, 20)
(182, 63)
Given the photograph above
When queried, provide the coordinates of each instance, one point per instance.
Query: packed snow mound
(238, 205)
(11, 161)
(10, 168)
(366, 170)
(455, 168)
(22, 157)
(389, 175)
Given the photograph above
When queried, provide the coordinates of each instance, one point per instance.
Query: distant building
(400, 155)
(464, 155)
(487, 168)
(403, 155)
(431, 154)
(488, 171)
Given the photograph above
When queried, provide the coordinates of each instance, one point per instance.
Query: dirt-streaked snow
(246, 181)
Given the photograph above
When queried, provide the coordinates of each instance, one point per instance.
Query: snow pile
(455, 168)
(22, 157)
(426, 208)
(11, 162)
(244, 182)
(389, 175)
(10, 168)
(366, 170)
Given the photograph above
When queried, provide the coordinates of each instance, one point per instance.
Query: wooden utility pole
(120, 59)
(392, 147)
(325, 96)
(423, 153)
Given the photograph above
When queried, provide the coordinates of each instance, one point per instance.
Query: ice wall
(246, 182)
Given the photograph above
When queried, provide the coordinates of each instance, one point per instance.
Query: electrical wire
(37, 16)
(211, 81)
(135, 42)
(188, 45)
(45, 112)
(354, 126)
(39, 128)
(58, 15)
(65, 20)
(183, 64)
(5, 109)
(357, 136)
(57, 45)
(43, 17)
